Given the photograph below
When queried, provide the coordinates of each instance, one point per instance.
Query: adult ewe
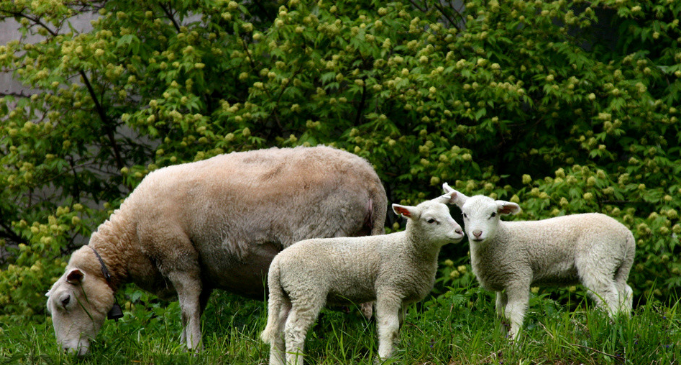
(509, 257)
(191, 228)
(394, 269)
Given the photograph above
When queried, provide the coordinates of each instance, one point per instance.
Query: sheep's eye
(494, 214)
(432, 220)
(465, 215)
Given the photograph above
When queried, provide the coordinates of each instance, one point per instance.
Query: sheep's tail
(274, 304)
(377, 209)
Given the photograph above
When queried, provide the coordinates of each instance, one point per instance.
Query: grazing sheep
(395, 270)
(218, 223)
(509, 257)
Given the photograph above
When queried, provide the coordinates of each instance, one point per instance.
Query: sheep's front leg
(518, 299)
(387, 316)
(188, 289)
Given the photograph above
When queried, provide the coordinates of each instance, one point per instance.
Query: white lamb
(509, 257)
(394, 270)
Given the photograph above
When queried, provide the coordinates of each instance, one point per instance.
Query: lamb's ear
(456, 197)
(506, 208)
(75, 276)
(406, 211)
(447, 198)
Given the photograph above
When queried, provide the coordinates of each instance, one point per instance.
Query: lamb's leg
(598, 278)
(388, 321)
(188, 287)
(299, 321)
(518, 299)
(603, 291)
(277, 347)
(402, 314)
(502, 300)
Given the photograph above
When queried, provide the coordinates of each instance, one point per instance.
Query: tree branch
(9, 233)
(262, 8)
(439, 7)
(107, 125)
(170, 16)
(361, 104)
(18, 95)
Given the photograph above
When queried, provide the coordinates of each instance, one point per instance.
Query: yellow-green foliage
(563, 106)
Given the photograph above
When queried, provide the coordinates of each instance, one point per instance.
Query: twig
(598, 351)
(105, 120)
(361, 104)
(170, 16)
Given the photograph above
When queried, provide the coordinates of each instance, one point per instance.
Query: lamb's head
(431, 221)
(481, 214)
(78, 303)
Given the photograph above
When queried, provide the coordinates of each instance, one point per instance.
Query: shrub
(565, 107)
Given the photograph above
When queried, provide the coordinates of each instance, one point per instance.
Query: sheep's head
(78, 303)
(481, 214)
(432, 220)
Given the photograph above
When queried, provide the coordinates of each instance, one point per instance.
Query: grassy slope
(458, 328)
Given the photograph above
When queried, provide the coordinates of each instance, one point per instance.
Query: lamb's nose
(459, 231)
(477, 233)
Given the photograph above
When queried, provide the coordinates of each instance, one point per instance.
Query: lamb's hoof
(367, 310)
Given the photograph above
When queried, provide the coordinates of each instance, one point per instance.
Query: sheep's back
(239, 210)
(549, 249)
(345, 269)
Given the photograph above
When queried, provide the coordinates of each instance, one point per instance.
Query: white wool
(510, 257)
(395, 270)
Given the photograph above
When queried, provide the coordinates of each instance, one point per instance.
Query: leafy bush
(564, 107)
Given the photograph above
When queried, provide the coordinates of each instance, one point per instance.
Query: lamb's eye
(432, 220)
(494, 214)
(465, 215)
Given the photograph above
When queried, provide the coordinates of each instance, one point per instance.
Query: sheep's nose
(459, 231)
(477, 233)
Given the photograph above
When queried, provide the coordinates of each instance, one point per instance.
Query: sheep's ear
(75, 276)
(455, 197)
(506, 208)
(406, 211)
(447, 198)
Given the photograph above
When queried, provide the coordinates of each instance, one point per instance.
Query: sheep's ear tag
(115, 313)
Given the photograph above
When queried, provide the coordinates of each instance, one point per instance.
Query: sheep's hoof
(367, 310)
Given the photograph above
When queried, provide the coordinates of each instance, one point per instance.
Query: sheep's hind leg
(603, 292)
(502, 300)
(388, 320)
(278, 347)
(599, 280)
(300, 319)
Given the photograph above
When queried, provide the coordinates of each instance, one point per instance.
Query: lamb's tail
(625, 293)
(274, 305)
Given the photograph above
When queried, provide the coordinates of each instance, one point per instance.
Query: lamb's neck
(479, 250)
(113, 241)
(420, 248)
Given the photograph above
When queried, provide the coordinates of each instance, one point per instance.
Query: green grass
(457, 328)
